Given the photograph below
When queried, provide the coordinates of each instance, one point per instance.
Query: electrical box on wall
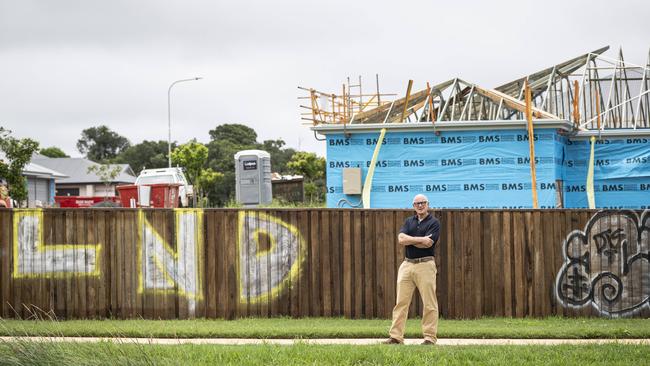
(351, 180)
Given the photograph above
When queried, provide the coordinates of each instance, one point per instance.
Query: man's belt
(420, 260)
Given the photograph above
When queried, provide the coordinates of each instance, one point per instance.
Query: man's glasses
(422, 203)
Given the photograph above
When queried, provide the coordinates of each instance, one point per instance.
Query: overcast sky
(69, 65)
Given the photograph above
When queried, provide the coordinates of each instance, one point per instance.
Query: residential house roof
(76, 170)
(38, 171)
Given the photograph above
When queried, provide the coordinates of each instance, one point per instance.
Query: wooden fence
(227, 263)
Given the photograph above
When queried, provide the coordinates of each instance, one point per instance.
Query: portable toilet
(253, 177)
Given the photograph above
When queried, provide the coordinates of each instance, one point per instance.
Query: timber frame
(591, 91)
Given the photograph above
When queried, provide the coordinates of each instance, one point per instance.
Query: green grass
(29, 353)
(553, 327)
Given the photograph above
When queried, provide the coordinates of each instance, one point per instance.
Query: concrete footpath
(325, 341)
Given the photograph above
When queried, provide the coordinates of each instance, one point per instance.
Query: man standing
(418, 235)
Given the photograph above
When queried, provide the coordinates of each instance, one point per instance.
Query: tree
(227, 140)
(193, 157)
(309, 165)
(100, 144)
(145, 155)
(207, 178)
(106, 173)
(53, 152)
(18, 153)
(279, 156)
(312, 168)
(234, 132)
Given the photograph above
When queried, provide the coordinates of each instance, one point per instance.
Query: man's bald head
(420, 198)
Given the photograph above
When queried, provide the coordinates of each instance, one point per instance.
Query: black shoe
(428, 343)
(391, 341)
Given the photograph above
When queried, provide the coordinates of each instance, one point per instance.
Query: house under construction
(574, 135)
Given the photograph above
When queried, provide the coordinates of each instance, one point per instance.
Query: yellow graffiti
(50, 250)
(294, 271)
(164, 268)
(143, 224)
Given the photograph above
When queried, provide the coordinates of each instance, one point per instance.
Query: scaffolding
(593, 91)
(341, 108)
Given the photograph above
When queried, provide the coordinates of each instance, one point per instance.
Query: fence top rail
(318, 209)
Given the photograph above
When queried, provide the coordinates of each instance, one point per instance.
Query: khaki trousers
(423, 277)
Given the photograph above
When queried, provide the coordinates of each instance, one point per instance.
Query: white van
(167, 175)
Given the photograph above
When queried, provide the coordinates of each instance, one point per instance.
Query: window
(67, 192)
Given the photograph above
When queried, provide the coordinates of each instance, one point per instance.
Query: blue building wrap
(486, 169)
(621, 173)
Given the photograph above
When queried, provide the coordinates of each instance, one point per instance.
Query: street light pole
(169, 117)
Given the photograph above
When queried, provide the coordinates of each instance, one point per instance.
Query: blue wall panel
(621, 173)
(462, 169)
(489, 169)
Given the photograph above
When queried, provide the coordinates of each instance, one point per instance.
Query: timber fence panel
(6, 262)
(228, 263)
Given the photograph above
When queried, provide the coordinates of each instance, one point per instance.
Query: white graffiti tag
(264, 272)
(33, 258)
(162, 269)
(607, 265)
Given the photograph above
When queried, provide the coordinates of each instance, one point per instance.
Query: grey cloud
(68, 65)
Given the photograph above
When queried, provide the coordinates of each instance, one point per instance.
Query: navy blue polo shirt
(412, 227)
